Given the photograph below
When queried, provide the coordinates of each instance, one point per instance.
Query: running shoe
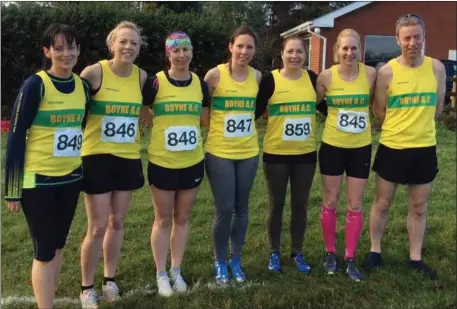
(330, 265)
(352, 271)
(300, 263)
(275, 262)
(237, 272)
(89, 299)
(220, 273)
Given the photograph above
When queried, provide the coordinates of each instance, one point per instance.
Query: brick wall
(379, 18)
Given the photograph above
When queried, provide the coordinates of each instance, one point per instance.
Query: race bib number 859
(119, 129)
(296, 129)
(181, 138)
(67, 142)
(352, 122)
(238, 125)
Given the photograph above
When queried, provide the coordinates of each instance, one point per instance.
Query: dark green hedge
(23, 24)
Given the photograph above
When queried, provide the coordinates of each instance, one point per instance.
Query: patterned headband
(177, 39)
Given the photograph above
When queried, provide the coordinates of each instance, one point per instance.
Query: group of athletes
(75, 133)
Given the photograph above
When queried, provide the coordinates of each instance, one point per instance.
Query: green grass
(392, 286)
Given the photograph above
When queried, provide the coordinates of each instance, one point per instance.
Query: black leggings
(49, 212)
(277, 177)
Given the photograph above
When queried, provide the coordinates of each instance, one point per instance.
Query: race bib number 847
(238, 125)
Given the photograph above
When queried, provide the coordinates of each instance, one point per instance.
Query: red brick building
(375, 23)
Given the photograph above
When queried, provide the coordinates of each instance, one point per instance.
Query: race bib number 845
(67, 142)
(352, 122)
(119, 129)
(238, 125)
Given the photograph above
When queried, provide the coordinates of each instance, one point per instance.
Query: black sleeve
(266, 90)
(206, 99)
(87, 90)
(322, 105)
(24, 112)
(150, 90)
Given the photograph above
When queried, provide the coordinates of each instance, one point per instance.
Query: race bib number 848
(181, 138)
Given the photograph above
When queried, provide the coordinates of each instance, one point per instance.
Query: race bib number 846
(238, 125)
(352, 122)
(119, 129)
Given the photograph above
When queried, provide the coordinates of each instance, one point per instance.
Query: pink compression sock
(354, 224)
(328, 222)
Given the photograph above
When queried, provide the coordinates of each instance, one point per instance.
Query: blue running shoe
(300, 263)
(275, 262)
(237, 272)
(330, 265)
(352, 271)
(220, 273)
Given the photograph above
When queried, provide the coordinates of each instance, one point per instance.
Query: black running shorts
(334, 161)
(105, 173)
(412, 166)
(176, 179)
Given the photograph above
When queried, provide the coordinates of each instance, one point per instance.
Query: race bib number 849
(238, 125)
(352, 122)
(119, 129)
(67, 142)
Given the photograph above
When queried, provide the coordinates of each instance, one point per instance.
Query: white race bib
(238, 125)
(181, 138)
(67, 142)
(119, 129)
(352, 122)
(296, 129)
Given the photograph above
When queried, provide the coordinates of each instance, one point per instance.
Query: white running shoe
(89, 299)
(110, 291)
(179, 285)
(164, 287)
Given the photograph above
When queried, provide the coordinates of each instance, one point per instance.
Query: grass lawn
(393, 286)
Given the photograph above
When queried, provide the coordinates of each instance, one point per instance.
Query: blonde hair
(123, 24)
(345, 33)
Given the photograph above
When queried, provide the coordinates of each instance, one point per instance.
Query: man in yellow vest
(409, 97)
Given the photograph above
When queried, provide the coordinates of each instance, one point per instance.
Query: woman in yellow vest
(43, 169)
(232, 150)
(176, 167)
(289, 146)
(346, 145)
(111, 157)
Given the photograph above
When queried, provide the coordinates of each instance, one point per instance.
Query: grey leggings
(231, 182)
(277, 177)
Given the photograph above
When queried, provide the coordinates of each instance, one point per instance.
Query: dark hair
(50, 35)
(242, 30)
(290, 38)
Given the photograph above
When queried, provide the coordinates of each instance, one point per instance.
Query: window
(307, 53)
(380, 49)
